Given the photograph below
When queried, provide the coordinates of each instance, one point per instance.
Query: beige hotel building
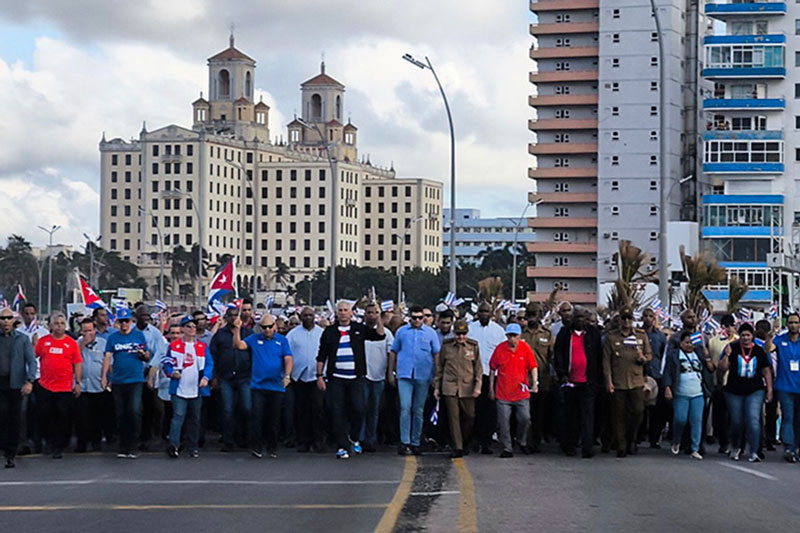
(224, 183)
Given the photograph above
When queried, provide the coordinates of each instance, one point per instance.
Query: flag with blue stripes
(449, 299)
(161, 305)
(697, 338)
(387, 305)
(435, 414)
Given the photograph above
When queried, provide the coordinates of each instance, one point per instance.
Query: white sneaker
(754, 458)
(675, 449)
(736, 454)
(696, 455)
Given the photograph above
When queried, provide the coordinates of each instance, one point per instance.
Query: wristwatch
(319, 375)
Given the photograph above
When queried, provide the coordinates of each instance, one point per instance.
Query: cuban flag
(458, 301)
(270, 302)
(697, 338)
(473, 307)
(161, 306)
(449, 299)
(224, 282)
(90, 298)
(745, 314)
(387, 305)
(773, 312)
(19, 300)
(3, 302)
(656, 305)
(435, 414)
(712, 326)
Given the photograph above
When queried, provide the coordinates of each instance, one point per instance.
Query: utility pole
(54, 228)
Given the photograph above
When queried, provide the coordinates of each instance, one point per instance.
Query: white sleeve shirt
(487, 337)
(304, 345)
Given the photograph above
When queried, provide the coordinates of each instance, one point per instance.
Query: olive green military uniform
(458, 375)
(622, 368)
(541, 339)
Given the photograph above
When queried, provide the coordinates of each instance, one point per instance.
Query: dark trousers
(287, 416)
(32, 430)
(657, 417)
(541, 409)
(128, 408)
(604, 419)
(55, 418)
(150, 423)
(166, 417)
(580, 405)
(346, 402)
(485, 415)
(308, 413)
(10, 414)
(719, 418)
(93, 419)
(628, 410)
(235, 395)
(770, 432)
(266, 416)
(389, 419)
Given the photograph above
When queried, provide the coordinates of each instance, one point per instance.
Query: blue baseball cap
(188, 319)
(123, 313)
(513, 329)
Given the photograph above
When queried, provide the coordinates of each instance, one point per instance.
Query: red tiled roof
(334, 123)
(230, 53)
(322, 79)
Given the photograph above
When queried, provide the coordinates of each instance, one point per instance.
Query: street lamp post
(54, 228)
(176, 192)
(663, 269)
(160, 252)
(256, 240)
(429, 65)
(400, 258)
(518, 226)
(334, 213)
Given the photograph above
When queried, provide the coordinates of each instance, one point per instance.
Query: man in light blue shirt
(308, 399)
(412, 359)
(787, 384)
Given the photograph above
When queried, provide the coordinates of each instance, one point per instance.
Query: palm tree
(701, 271)
(737, 289)
(181, 260)
(280, 276)
(632, 276)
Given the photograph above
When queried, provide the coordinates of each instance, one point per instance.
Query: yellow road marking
(389, 519)
(467, 516)
(165, 507)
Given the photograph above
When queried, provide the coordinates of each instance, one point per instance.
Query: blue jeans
(685, 408)
(188, 410)
(234, 392)
(790, 419)
(745, 412)
(372, 402)
(413, 393)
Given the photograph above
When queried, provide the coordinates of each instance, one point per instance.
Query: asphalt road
(381, 492)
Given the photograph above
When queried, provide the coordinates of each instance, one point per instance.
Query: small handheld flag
(387, 305)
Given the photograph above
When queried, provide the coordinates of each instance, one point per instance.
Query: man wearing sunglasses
(270, 374)
(412, 359)
(625, 354)
(17, 373)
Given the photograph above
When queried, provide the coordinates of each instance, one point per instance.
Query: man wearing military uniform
(541, 340)
(625, 353)
(459, 376)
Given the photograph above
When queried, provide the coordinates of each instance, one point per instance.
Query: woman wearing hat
(683, 385)
(749, 373)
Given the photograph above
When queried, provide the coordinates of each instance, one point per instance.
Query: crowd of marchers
(418, 379)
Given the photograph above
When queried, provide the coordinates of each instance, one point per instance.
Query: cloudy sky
(71, 70)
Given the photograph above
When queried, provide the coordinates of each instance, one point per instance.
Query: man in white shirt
(308, 399)
(31, 434)
(377, 354)
(488, 335)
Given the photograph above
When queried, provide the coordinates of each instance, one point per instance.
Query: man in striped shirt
(342, 347)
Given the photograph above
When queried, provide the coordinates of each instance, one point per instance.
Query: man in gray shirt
(94, 413)
(17, 372)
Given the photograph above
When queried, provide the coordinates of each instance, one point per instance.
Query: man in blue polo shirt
(787, 384)
(271, 372)
(414, 353)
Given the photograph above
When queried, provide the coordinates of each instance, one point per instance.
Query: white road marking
(438, 493)
(750, 471)
(190, 482)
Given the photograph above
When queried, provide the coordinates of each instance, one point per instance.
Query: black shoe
(569, 453)
(303, 448)
(535, 449)
(10, 463)
(485, 450)
(288, 444)
(587, 454)
(632, 449)
(404, 449)
(621, 453)
(416, 450)
(456, 454)
(465, 451)
(57, 455)
(226, 448)
(655, 446)
(770, 447)
(505, 454)
(527, 450)
(194, 454)
(172, 451)
(604, 449)
(370, 448)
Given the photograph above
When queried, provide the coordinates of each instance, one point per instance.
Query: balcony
(741, 135)
(563, 75)
(562, 222)
(544, 247)
(563, 51)
(725, 9)
(562, 148)
(558, 173)
(559, 28)
(745, 56)
(563, 5)
(741, 231)
(562, 100)
(744, 104)
(743, 168)
(589, 298)
(563, 124)
(743, 199)
(562, 272)
(564, 197)
(752, 296)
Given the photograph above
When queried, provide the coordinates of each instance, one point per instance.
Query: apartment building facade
(476, 234)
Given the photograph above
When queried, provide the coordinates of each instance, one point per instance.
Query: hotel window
(653, 85)
(615, 38)
(614, 111)
(653, 210)
(614, 160)
(614, 135)
(561, 137)
(615, 185)
(562, 113)
(615, 210)
(653, 111)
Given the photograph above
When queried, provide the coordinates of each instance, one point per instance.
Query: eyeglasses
(190, 325)
(461, 334)
(426, 315)
(267, 326)
(6, 318)
(416, 317)
(626, 318)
